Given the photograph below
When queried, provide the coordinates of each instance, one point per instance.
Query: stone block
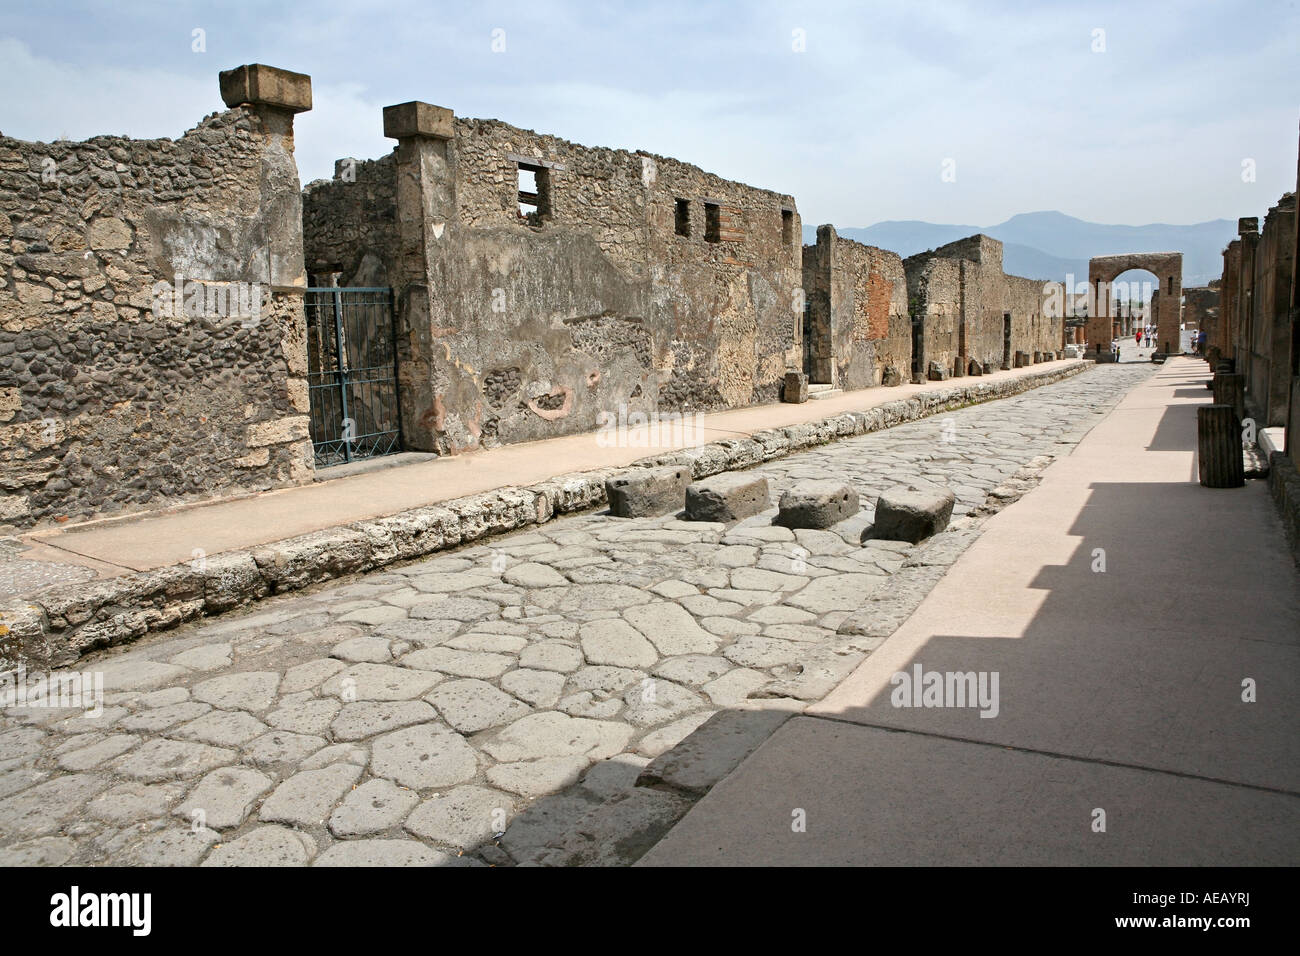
(975, 368)
(937, 372)
(891, 376)
(645, 492)
(730, 496)
(817, 504)
(796, 388)
(418, 119)
(266, 86)
(903, 514)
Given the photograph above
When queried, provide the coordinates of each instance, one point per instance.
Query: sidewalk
(143, 542)
(1120, 694)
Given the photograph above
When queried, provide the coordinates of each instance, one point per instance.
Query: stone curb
(1284, 483)
(57, 626)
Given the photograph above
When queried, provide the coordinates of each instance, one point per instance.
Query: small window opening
(1171, 284)
(682, 217)
(534, 194)
(787, 226)
(712, 222)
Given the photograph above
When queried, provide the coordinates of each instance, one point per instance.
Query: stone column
(426, 213)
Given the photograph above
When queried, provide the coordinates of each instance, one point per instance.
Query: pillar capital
(404, 120)
(260, 85)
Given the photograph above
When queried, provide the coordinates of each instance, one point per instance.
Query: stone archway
(1167, 267)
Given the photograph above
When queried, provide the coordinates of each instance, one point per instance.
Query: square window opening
(534, 194)
(712, 222)
(682, 217)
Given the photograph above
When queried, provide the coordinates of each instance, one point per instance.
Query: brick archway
(1167, 267)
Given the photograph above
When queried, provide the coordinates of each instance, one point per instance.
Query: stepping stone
(647, 492)
(727, 497)
(906, 515)
(817, 504)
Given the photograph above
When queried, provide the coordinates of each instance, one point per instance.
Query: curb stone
(57, 626)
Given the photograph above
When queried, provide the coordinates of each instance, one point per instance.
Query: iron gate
(352, 374)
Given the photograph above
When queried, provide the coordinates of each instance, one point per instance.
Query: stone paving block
(265, 846)
(373, 807)
(424, 756)
(817, 504)
(387, 853)
(463, 818)
(370, 717)
(223, 799)
(473, 705)
(648, 492)
(305, 798)
(903, 514)
(160, 759)
(726, 498)
(180, 845)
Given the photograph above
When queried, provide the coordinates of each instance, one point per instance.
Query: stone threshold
(57, 626)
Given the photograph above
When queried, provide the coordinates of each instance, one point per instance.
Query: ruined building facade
(971, 317)
(180, 320)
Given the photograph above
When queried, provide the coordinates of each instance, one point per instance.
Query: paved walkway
(109, 547)
(1120, 692)
(407, 716)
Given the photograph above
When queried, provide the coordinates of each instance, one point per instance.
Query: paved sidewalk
(1119, 691)
(141, 542)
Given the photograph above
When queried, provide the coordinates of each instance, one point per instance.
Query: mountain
(1048, 245)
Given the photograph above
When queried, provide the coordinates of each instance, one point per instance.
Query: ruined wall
(529, 327)
(963, 298)
(1269, 340)
(857, 307)
(111, 399)
(1201, 310)
(350, 223)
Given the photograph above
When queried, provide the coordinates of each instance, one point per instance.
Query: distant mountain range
(1048, 245)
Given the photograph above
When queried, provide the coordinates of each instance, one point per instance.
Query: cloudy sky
(1124, 112)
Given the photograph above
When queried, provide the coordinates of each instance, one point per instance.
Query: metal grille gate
(352, 374)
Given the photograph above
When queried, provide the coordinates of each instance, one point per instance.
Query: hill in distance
(1050, 245)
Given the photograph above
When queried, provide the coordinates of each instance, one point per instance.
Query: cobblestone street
(406, 717)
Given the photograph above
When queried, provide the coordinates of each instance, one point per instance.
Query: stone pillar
(274, 96)
(426, 214)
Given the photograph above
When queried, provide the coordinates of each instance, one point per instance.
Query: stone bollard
(796, 388)
(1218, 447)
(905, 514)
(1230, 389)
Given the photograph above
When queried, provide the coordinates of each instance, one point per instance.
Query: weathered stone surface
(473, 705)
(370, 717)
(424, 756)
(557, 735)
(670, 628)
(265, 846)
(534, 778)
(647, 492)
(172, 759)
(305, 798)
(224, 798)
(373, 807)
(728, 497)
(616, 643)
(244, 691)
(379, 682)
(817, 504)
(903, 514)
(388, 853)
(463, 818)
(795, 388)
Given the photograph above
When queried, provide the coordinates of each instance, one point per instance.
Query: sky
(970, 113)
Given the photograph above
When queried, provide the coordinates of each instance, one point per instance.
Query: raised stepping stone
(646, 492)
(817, 504)
(906, 515)
(730, 496)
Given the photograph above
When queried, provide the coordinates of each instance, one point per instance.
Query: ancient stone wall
(151, 342)
(857, 309)
(1269, 337)
(350, 223)
(634, 284)
(964, 300)
(1201, 310)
